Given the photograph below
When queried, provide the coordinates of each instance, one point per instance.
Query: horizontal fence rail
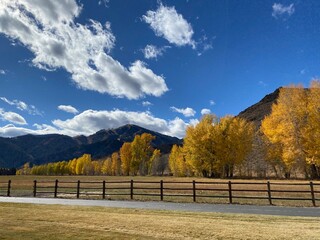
(5, 189)
(228, 191)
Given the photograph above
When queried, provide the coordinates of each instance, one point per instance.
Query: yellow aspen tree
(177, 162)
(84, 166)
(173, 159)
(199, 146)
(72, 166)
(116, 164)
(233, 142)
(97, 165)
(107, 167)
(153, 160)
(311, 132)
(285, 124)
(141, 153)
(126, 156)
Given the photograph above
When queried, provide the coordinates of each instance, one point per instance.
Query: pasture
(27, 221)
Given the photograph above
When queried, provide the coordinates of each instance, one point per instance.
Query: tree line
(136, 157)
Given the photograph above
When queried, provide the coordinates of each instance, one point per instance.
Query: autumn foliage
(136, 157)
(212, 147)
(292, 129)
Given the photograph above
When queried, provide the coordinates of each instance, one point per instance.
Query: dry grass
(22, 186)
(26, 221)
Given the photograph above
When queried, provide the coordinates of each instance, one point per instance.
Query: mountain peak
(39, 149)
(258, 111)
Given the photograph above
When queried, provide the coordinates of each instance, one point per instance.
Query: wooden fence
(5, 189)
(228, 191)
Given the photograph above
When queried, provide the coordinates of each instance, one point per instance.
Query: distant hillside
(39, 149)
(258, 111)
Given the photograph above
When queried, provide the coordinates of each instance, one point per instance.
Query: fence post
(56, 188)
(269, 192)
(161, 190)
(131, 189)
(194, 190)
(34, 188)
(230, 192)
(312, 194)
(104, 189)
(78, 189)
(9, 188)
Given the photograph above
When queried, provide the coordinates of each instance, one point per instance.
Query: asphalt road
(188, 207)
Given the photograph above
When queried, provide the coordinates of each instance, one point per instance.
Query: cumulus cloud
(11, 130)
(146, 103)
(22, 106)
(151, 51)
(12, 117)
(49, 30)
(68, 109)
(279, 10)
(2, 72)
(91, 121)
(187, 112)
(205, 111)
(166, 22)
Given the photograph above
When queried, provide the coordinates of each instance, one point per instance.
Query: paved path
(189, 207)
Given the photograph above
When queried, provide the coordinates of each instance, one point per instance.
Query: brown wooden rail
(163, 190)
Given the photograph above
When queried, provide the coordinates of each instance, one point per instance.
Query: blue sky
(75, 67)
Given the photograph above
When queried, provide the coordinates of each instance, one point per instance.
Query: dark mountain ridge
(258, 111)
(39, 149)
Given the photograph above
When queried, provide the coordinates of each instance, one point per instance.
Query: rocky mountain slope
(258, 111)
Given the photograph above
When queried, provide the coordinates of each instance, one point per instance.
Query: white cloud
(151, 51)
(48, 29)
(12, 117)
(11, 130)
(187, 112)
(104, 2)
(91, 121)
(177, 128)
(204, 44)
(279, 10)
(2, 72)
(169, 24)
(68, 109)
(193, 122)
(22, 106)
(212, 103)
(146, 103)
(262, 83)
(303, 71)
(205, 111)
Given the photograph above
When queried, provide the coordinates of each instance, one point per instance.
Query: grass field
(23, 186)
(26, 221)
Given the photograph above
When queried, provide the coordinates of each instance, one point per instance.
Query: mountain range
(39, 149)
